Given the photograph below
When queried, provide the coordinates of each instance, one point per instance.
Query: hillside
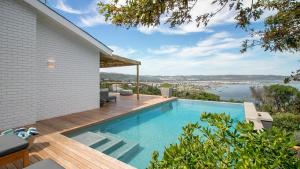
(145, 78)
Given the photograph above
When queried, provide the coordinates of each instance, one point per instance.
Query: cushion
(126, 92)
(11, 144)
(45, 164)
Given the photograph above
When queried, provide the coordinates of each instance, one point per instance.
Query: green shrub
(297, 137)
(150, 90)
(196, 95)
(221, 146)
(277, 98)
(166, 85)
(286, 121)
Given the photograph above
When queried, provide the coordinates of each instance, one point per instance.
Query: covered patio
(109, 61)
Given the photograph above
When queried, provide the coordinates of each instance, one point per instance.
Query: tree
(295, 76)
(281, 31)
(282, 97)
(277, 98)
(225, 144)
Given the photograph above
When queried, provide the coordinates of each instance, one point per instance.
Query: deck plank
(71, 154)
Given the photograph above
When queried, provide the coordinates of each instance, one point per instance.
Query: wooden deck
(71, 154)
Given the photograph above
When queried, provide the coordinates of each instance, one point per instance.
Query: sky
(183, 50)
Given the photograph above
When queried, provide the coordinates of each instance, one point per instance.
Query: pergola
(108, 61)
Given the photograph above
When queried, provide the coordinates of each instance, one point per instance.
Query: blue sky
(184, 50)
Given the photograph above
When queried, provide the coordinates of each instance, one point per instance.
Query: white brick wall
(29, 91)
(73, 86)
(17, 62)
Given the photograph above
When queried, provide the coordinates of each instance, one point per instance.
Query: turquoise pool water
(157, 127)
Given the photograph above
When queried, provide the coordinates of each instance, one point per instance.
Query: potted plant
(166, 90)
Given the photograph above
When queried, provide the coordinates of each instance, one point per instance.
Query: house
(48, 66)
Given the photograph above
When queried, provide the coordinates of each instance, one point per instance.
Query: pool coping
(211, 101)
(63, 132)
(252, 115)
(67, 131)
(248, 109)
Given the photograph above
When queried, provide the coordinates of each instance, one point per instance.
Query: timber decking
(71, 154)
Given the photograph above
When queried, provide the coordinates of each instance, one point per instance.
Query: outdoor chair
(45, 164)
(13, 148)
(104, 95)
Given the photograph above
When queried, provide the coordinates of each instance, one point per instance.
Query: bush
(277, 98)
(166, 85)
(287, 121)
(222, 146)
(297, 137)
(196, 95)
(148, 90)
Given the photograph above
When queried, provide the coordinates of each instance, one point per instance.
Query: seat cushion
(45, 164)
(11, 144)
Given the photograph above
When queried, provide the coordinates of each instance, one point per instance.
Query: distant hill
(149, 78)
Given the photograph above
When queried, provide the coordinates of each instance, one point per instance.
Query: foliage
(281, 96)
(295, 76)
(297, 137)
(221, 145)
(166, 85)
(104, 85)
(196, 95)
(148, 90)
(144, 89)
(281, 31)
(287, 121)
(277, 98)
(186, 94)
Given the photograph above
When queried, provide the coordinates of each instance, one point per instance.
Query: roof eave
(69, 25)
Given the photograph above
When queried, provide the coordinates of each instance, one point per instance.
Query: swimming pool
(132, 138)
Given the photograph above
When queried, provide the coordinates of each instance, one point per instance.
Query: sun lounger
(13, 148)
(45, 164)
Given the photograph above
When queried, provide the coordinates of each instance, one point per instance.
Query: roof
(107, 58)
(69, 25)
(107, 61)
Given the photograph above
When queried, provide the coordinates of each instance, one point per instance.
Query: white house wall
(17, 64)
(73, 85)
(29, 91)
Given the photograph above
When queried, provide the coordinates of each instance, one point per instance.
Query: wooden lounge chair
(45, 164)
(13, 148)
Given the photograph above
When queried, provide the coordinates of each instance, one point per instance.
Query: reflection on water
(241, 91)
(166, 107)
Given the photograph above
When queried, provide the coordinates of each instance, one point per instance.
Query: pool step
(124, 149)
(112, 144)
(108, 143)
(90, 138)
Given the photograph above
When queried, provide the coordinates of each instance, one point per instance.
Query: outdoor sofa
(126, 92)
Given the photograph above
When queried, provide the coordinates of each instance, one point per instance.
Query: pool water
(157, 127)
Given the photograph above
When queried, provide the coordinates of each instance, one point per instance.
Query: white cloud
(66, 8)
(125, 52)
(216, 54)
(164, 49)
(213, 44)
(179, 30)
(89, 21)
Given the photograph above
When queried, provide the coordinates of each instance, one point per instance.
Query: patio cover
(108, 61)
